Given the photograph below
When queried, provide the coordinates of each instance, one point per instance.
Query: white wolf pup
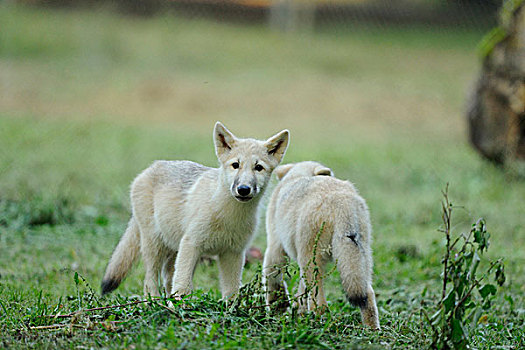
(300, 204)
(182, 210)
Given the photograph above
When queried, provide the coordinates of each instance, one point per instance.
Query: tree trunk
(496, 111)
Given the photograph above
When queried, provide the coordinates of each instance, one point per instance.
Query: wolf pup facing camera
(313, 213)
(182, 209)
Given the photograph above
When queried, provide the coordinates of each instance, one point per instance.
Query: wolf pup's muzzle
(244, 193)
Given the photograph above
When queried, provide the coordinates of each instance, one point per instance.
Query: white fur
(182, 210)
(308, 197)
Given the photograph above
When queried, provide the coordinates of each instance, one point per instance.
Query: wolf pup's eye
(235, 165)
(259, 167)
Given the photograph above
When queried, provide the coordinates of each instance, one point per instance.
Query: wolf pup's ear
(323, 171)
(277, 144)
(282, 170)
(224, 140)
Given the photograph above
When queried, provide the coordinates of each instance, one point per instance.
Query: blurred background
(92, 92)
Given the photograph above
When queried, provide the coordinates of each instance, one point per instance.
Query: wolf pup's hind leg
(311, 292)
(168, 269)
(274, 259)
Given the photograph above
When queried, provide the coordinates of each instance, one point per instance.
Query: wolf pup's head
(307, 168)
(247, 164)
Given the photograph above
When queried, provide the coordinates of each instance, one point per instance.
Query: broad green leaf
(487, 289)
(449, 301)
(438, 317)
(458, 333)
(474, 266)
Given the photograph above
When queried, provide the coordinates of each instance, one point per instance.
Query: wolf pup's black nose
(243, 190)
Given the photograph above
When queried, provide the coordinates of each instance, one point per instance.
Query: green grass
(89, 99)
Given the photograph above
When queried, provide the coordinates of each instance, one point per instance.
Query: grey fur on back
(182, 172)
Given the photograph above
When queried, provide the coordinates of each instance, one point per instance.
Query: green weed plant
(466, 293)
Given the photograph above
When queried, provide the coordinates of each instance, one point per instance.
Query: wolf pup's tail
(122, 258)
(351, 255)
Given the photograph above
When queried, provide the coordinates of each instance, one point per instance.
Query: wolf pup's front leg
(230, 272)
(185, 264)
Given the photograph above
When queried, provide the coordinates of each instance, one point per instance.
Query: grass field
(89, 99)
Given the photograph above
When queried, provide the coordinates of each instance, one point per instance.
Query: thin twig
(447, 211)
(53, 326)
(165, 307)
(96, 309)
(62, 325)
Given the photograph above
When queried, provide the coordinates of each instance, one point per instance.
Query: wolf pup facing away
(313, 213)
(181, 210)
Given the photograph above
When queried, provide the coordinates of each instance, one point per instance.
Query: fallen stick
(96, 309)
